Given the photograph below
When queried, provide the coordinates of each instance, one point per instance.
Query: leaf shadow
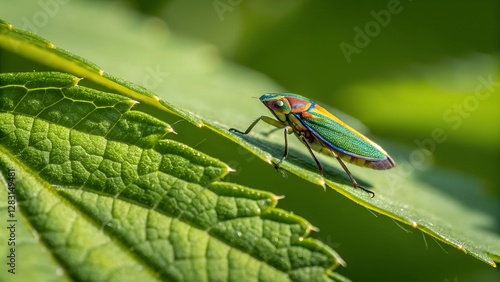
(304, 160)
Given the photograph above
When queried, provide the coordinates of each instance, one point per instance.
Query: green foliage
(445, 204)
(97, 180)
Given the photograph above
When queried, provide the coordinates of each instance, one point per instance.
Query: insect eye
(278, 104)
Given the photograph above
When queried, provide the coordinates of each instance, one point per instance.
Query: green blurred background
(406, 76)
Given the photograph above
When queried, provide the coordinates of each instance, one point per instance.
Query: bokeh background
(403, 68)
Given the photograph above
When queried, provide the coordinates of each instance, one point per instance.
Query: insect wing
(338, 135)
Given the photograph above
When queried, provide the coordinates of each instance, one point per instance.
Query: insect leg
(354, 183)
(271, 131)
(285, 153)
(266, 119)
(320, 168)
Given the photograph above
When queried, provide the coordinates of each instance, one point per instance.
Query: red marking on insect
(306, 115)
(298, 105)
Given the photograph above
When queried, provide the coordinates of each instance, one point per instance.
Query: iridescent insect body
(321, 131)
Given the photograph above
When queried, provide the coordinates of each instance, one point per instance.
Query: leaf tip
(269, 159)
(277, 198)
(76, 80)
(322, 183)
(414, 224)
(170, 130)
(230, 169)
(311, 227)
(340, 260)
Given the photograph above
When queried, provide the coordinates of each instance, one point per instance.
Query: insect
(321, 131)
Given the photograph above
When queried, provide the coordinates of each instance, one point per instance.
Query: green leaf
(408, 195)
(111, 199)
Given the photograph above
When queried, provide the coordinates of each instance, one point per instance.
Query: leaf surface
(112, 199)
(431, 201)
